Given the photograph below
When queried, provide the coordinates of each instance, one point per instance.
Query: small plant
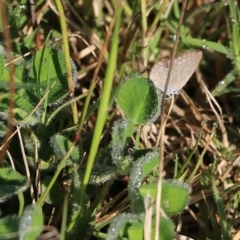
(83, 162)
(39, 133)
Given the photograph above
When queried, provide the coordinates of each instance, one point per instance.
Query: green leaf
(175, 195)
(139, 99)
(139, 171)
(134, 230)
(21, 115)
(218, 47)
(49, 67)
(61, 145)
(150, 164)
(166, 229)
(43, 164)
(22, 110)
(131, 227)
(31, 223)
(122, 130)
(20, 102)
(11, 182)
(222, 86)
(19, 77)
(9, 228)
(103, 169)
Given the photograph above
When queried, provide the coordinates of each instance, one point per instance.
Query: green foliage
(131, 226)
(28, 227)
(41, 88)
(31, 223)
(11, 183)
(74, 168)
(9, 227)
(61, 145)
(122, 131)
(142, 106)
(223, 86)
(175, 195)
(49, 68)
(137, 175)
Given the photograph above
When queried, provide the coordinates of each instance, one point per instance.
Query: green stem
(62, 19)
(103, 110)
(21, 204)
(234, 21)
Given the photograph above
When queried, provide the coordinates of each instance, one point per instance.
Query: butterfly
(184, 66)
